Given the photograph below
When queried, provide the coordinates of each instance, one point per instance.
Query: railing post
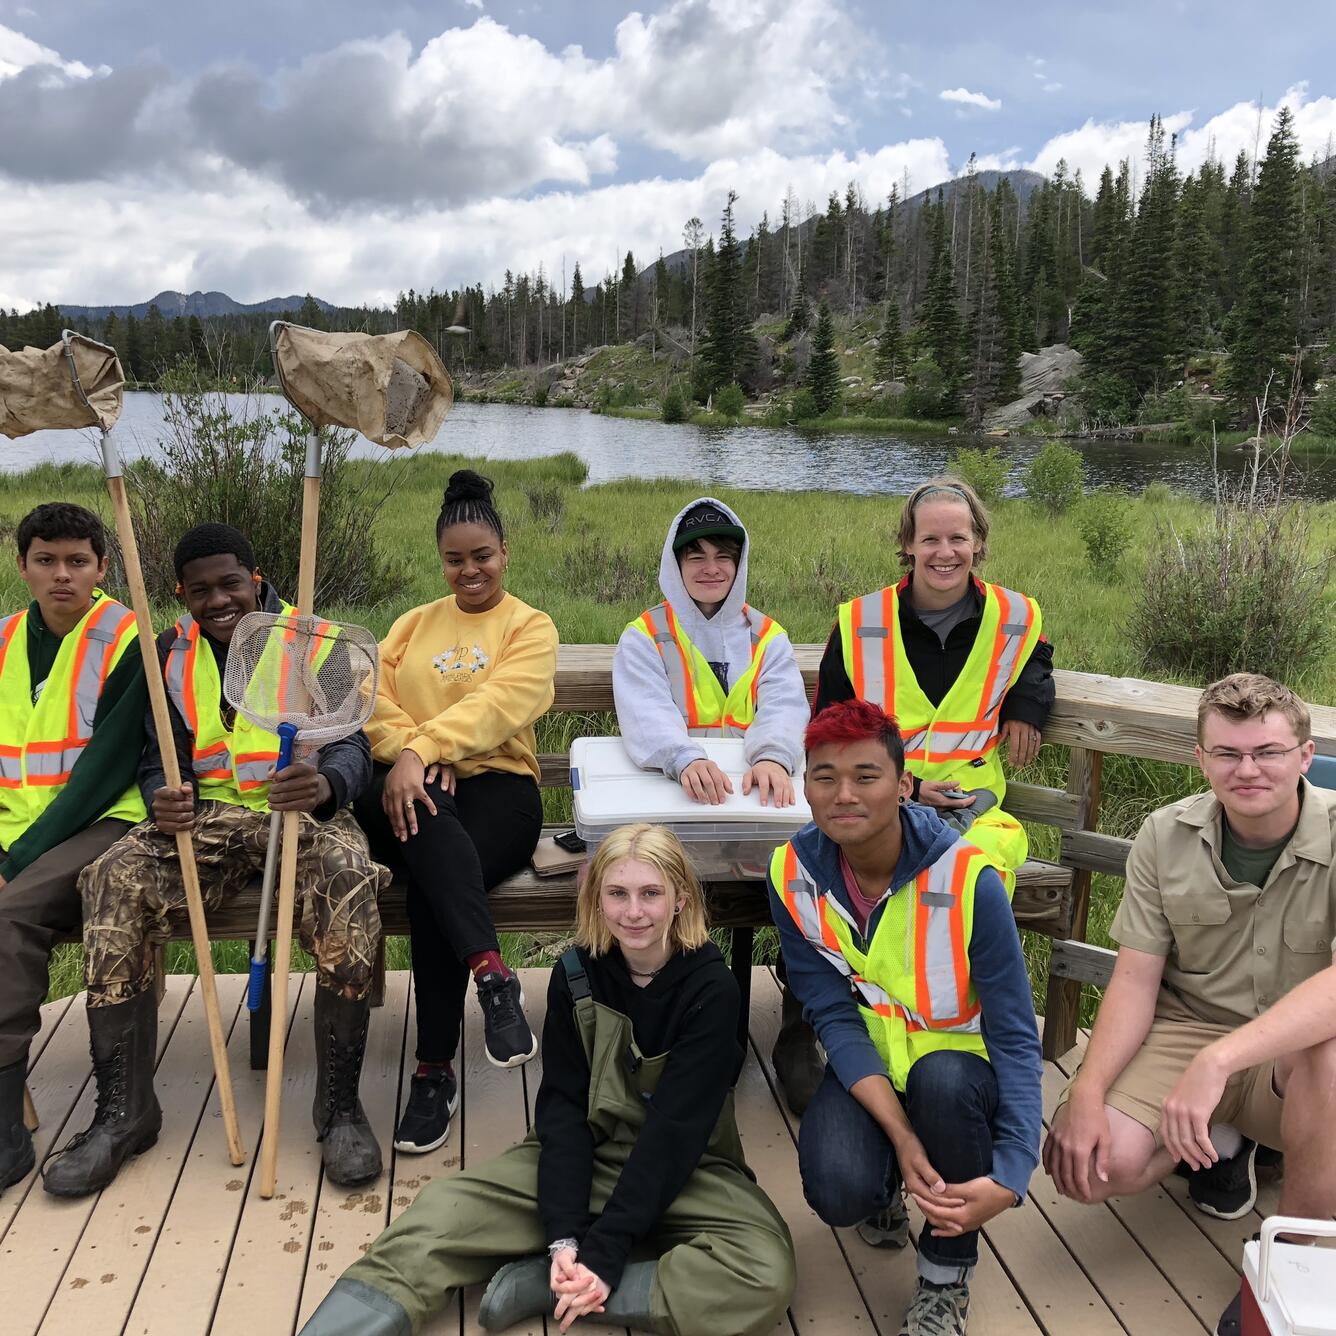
(1062, 1010)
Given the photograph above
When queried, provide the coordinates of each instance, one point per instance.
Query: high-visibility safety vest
(229, 765)
(695, 689)
(956, 740)
(40, 744)
(912, 982)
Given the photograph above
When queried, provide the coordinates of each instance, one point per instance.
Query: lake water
(747, 457)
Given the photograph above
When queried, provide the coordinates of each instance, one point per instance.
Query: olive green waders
(725, 1259)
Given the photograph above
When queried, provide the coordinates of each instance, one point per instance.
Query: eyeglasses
(1266, 758)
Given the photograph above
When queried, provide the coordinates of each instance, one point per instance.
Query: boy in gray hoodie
(704, 664)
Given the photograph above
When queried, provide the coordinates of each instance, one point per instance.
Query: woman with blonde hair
(961, 664)
(634, 1145)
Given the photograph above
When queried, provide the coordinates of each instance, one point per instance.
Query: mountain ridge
(175, 305)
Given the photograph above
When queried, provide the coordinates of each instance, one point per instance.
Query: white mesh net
(319, 676)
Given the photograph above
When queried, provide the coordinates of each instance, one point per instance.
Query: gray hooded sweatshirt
(653, 728)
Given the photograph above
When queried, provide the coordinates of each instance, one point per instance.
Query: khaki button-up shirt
(1232, 950)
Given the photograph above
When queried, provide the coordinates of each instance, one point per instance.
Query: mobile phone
(569, 841)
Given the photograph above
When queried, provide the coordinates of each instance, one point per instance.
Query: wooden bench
(1093, 715)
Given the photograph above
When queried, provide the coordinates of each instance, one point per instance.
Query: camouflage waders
(132, 890)
(725, 1258)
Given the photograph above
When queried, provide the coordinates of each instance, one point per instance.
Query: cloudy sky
(352, 150)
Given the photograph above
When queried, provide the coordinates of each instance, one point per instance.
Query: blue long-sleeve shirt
(997, 972)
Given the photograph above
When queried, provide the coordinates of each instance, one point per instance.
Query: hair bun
(466, 485)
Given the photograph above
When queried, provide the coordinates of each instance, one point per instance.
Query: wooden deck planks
(46, 1230)
(182, 1230)
(201, 1222)
(347, 1220)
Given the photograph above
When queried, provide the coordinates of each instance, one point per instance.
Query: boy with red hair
(900, 944)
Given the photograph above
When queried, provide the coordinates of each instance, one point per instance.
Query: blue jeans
(848, 1164)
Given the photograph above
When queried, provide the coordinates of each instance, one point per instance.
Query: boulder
(1044, 376)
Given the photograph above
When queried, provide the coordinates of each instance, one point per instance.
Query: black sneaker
(1228, 1188)
(506, 1033)
(889, 1228)
(1231, 1320)
(432, 1101)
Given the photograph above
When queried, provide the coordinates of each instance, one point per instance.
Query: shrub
(1157, 494)
(603, 398)
(1105, 528)
(1323, 419)
(1207, 415)
(547, 504)
(984, 470)
(729, 401)
(1107, 399)
(539, 398)
(1167, 406)
(924, 387)
(244, 466)
(1054, 477)
(674, 406)
(626, 395)
(1242, 590)
(803, 407)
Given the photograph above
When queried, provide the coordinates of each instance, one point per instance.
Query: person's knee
(1312, 1077)
(772, 1274)
(950, 1079)
(838, 1192)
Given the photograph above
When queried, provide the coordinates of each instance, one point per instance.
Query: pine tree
(800, 313)
(890, 343)
(726, 348)
(578, 314)
(994, 327)
(823, 369)
(1266, 321)
(628, 291)
(940, 317)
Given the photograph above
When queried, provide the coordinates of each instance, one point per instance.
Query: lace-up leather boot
(124, 1042)
(347, 1145)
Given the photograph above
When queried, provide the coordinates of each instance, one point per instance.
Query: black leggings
(478, 838)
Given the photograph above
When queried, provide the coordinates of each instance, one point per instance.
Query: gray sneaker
(937, 1310)
(889, 1228)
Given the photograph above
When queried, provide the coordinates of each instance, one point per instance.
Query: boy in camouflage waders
(131, 891)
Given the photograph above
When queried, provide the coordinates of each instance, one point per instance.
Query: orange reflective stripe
(188, 679)
(693, 715)
(76, 670)
(994, 664)
(921, 917)
(890, 617)
(855, 654)
(958, 874)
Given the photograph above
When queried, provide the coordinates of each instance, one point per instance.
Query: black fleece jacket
(346, 764)
(690, 1012)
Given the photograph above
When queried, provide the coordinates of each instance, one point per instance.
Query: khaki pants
(1250, 1101)
(132, 891)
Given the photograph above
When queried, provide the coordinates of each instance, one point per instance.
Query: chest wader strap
(576, 977)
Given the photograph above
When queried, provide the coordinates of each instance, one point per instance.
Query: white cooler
(1289, 1289)
(734, 838)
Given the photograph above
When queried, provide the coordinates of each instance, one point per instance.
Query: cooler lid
(1303, 1280)
(610, 790)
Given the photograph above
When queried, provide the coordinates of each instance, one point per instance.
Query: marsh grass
(589, 556)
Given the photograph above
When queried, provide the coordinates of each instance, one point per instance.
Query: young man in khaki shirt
(1220, 1018)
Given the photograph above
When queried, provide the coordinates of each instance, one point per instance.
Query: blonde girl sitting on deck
(634, 1145)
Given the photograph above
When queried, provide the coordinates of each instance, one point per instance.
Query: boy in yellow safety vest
(900, 944)
(703, 664)
(130, 892)
(71, 729)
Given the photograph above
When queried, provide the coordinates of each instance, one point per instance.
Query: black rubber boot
(519, 1290)
(16, 1153)
(347, 1145)
(797, 1063)
(354, 1309)
(124, 1041)
(629, 1303)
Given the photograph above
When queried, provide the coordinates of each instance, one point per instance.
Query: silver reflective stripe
(206, 765)
(1014, 626)
(88, 685)
(806, 897)
(49, 764)
(972, 1026)
(255, 772)
(678, 686)
(868, 647)
(917, 741)
(176, 665)
(755, 620)
(939, 966)
(11, 768)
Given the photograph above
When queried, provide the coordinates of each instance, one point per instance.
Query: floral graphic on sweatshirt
(461, 659)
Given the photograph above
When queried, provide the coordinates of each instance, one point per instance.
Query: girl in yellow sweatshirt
(454, 802)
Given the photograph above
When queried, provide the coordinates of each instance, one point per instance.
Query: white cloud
(1052, 87)
(969, 99)
(472, 4)
(1223, 135)
(18, 52)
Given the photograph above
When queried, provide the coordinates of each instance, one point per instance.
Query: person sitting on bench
(454, 800)
(634, 1148)
(901, 946)
(703, 663)
(130, 892)
(1218, 1028)
(72, 701)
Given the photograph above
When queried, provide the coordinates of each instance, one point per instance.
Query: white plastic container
(1289, 1289)
(737, 836)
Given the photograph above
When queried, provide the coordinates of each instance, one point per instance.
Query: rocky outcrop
(1044, 379)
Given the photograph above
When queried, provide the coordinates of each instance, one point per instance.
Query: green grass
(588, 556)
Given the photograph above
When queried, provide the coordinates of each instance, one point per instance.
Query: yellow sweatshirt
(465, 688)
